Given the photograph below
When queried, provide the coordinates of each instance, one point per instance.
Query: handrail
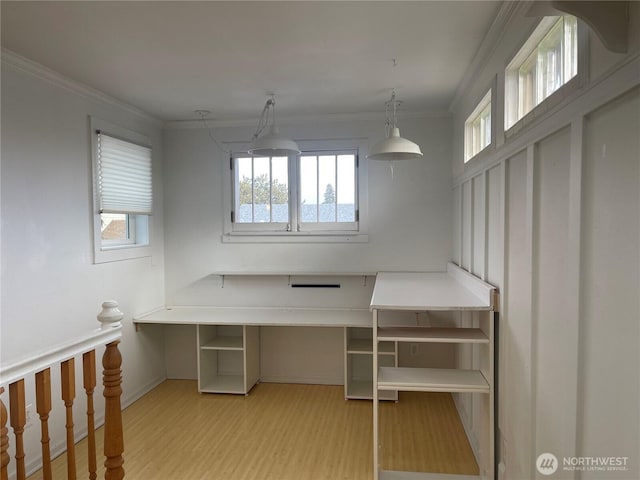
(58, 353)
(39, 364)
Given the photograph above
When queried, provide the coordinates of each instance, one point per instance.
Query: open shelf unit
(358, 362)
(228, 358)
(228, 343)
(454, 290)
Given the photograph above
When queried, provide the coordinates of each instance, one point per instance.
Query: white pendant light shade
(394, 147)
(273, 144)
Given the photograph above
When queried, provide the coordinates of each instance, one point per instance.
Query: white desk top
(454, 289)
(261, 316)
(451, 290)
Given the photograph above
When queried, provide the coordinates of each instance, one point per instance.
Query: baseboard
(142, 391)
(303, 380)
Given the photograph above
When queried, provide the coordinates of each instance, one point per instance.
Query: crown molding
(12, 59)
(19, 62)
(508, 10)
(304, 119)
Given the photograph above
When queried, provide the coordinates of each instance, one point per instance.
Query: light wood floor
(282, 432)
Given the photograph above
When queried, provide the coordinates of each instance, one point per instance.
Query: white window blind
(124, 176)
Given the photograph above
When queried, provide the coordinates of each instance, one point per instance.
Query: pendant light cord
(263, 122)
(392, 105)
(203, 117)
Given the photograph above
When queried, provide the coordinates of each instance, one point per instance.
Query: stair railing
(63, 356)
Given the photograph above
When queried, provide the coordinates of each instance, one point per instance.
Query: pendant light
(393, 147)
(272, 143)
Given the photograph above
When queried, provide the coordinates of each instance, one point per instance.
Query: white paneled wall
(551, 216)
(478, 223)
(467, 230)
(493, 227)
(457, 225)
(553, 352)
(609, 302)
(515, 396)
(556, 225)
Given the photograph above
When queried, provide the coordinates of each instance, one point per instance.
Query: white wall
(408, 225)
(51, 290)
(550, 216)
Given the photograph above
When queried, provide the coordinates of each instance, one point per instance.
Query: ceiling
(170, 58)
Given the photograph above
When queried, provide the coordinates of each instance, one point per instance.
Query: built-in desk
(228, 342)
(258, 316)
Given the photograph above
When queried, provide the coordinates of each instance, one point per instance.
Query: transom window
(477, 128)
(315, 192)
(547, 61)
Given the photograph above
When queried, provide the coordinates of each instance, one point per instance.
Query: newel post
(110, 317)
(4, 440)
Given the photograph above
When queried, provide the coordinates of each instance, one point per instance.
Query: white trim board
(38, 70)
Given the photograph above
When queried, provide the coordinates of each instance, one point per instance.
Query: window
(262, 192)
(123, 195)
(116, 229)
(477, 128)
(328, 191)
(315, 192)
(547, 61)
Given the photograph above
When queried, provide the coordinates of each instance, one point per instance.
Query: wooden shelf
(224, 343)
(228, 358)
(431, 380)
(363, 390)
(358, 363)
(365, 346)
(432, 335)
(224, 384)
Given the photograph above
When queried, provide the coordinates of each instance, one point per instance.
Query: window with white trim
(123, 192)
(477, 128)
(261, 193)
(316, 191)
(546, 62)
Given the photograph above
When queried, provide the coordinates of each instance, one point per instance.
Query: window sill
(293, 237)
(121, 252)
(486, 151)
